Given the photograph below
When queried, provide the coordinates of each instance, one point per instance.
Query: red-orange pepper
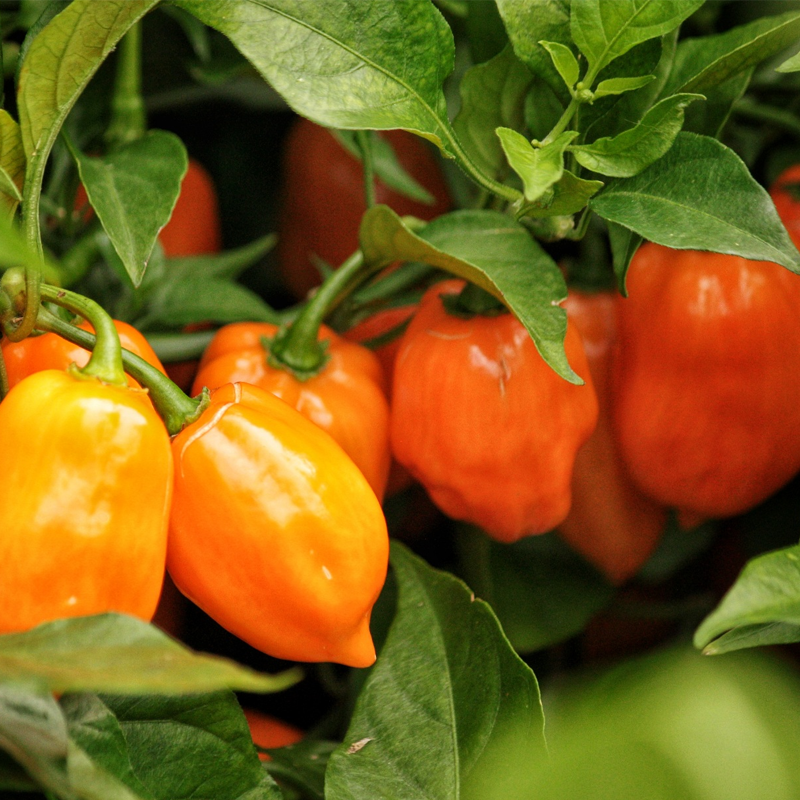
(84, 500)
(346, 398)
(707, 379)
(610, 522)
(274, 531)
(50, 351)
(484, 423)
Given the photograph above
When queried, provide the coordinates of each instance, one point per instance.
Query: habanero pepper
(84, 500)
(611, 523)
(274, 532)
(707, 379)
(51, 351)
(346, 398)
(484, 423)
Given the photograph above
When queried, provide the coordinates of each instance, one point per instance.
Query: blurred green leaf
(12, 163)
(492, 96)
(133, 191)
(490, 250)
(705, 62)
(762, 607)
(448, 672)
(604, 30)
(541, 591)
(117, 653)
(538, 166)
(302, 766)
(628, 153)
(701, 196)
(624, 244)
(791, 64)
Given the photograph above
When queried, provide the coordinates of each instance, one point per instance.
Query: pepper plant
(572, 137)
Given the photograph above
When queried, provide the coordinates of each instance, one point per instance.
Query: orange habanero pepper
(51, 351)
(610, 522)
(484, 423)
(274, 532)
(707, 379)
(346, 399)
(84, 500)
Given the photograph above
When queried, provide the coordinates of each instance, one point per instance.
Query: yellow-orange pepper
(84, 500)
(274, 531)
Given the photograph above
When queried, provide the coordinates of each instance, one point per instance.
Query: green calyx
(303, 362)
(472, 301)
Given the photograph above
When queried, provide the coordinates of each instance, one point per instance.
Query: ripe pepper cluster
(261, 496)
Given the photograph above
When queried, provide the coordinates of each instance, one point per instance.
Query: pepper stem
(128, 119)
(296, 348)
(175, 408)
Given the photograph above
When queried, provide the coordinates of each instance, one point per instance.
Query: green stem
(128, 119)
(78, 260)
(297, 348)
(564, 120)
(365, 145)
(175, 408)
(106, 361)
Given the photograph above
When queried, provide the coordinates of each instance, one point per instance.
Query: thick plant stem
(175, 408)
(296, 348)
(128, 119)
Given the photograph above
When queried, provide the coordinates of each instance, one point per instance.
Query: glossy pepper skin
(50, 351)
(611, 523)
(274, 531)
(707, 379)
(483, 423)
(323, 198)
(84, 501)
(346, 399)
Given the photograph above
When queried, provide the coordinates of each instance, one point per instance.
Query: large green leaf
(60, 62)
(541, 591)
(700, 196)
(628, 153)
(606, 29)
(762, 607)
(527, 25)
(117, 653)
(707, 61)
(345, 63)
(492, 96)
(490, 250)
(467, 703)
(189, 747)
(133, 191)
(709, 118)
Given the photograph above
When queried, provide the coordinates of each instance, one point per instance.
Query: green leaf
(628, 153)
(117, 653)
(707, 61)
(710, 117)
(302, 766)
(133, 191)
(60, 62)
(490, 250)
(346, 63)
(570, 195)
(12, 163)
(624, 244)
(448, 672)
(539, 167)
(762, 606)
(613, 86)
(385, 164)
(173, 748)
(227, 264)
(527, 24)
(700, 196)
(492, 96)
(791, 64)
(564, 61)
(541, 591)
(606, 29)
